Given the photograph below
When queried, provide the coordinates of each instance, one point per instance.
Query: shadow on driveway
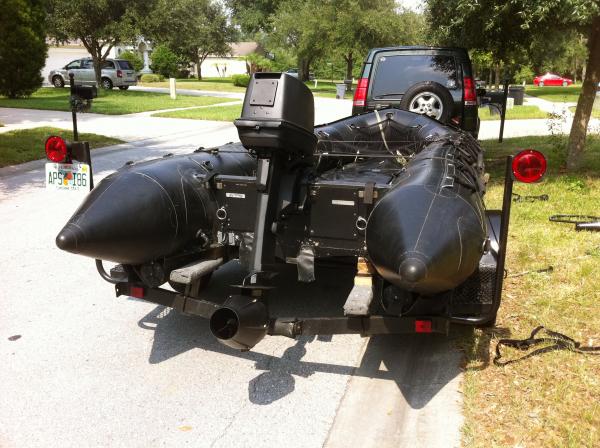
(420, 365)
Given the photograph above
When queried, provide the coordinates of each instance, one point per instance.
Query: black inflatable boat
(398, 194)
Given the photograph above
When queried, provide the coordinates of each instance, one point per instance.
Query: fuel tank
(152, 209)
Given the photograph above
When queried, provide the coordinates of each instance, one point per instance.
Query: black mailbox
(85, 92)
(278, 114)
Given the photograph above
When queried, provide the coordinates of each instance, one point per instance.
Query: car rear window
(397, 73)
(125, 65)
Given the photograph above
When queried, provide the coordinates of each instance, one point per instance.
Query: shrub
(23, 47)
(241, 80)
(152, 77)
(164, 61)
(134, 59)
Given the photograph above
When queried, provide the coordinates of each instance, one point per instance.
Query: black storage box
(278, 114)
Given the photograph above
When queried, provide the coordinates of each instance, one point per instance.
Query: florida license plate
(68, 176)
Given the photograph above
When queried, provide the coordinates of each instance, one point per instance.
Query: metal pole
(504, 222)
(503, 112)
(73, 108)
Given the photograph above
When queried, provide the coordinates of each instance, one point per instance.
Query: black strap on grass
(519, 198)
(553, 341)
(574, 219)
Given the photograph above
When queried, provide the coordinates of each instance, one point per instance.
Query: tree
(358, 25)
(164, 61)
(253, 16)
(23, 47)
(134, 59)
(98, 24)
(303, 27)
(505, 27)
(193, 29)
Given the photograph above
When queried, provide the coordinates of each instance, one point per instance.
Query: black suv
(434, 81)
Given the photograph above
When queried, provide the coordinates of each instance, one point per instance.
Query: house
(232, 64)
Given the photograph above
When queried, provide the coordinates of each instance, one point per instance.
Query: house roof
(244, 48)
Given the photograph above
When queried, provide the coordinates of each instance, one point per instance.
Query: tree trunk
(587, 96)
(303, 69)
(349, 66)
(497, 75)
(199, 68)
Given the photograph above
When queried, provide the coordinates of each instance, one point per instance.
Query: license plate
(68, 176)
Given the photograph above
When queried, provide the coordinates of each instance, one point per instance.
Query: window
(73, 65)
(125, 65)
(87, 64)
(395, 74)
(110, 65)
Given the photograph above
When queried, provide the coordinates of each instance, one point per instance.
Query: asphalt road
(81, 367)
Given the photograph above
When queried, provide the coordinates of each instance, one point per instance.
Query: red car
(550, 79)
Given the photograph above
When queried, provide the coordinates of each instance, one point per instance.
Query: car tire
(58, 82)
(565, 84)
(106, 84)
(429, 98)
(541, 84)
(123, 87)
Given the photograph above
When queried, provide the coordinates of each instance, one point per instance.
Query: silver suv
(115, 73)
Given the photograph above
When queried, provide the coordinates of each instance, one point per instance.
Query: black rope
(574, 219)
(518, 198)
(557, 341)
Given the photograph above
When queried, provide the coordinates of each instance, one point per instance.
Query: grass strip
(28, 144)
(323, 89)
(112, 102)
(219, 113)
(516, 113)
(552, 399)
(568, 94)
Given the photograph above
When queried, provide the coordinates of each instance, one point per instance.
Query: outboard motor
(277, 124)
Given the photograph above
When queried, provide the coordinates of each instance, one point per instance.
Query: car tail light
(469, 91)
(529, 166)
(360, 94)
(119, 74)
(423, 326)
(56, 149)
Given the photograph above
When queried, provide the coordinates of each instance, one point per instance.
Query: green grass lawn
(556, 94)
(113, 102)
(28, 144)
(595, 110)
(516, 113)
(212, 84)
(218, 113)
(324, 88)
(550, 400)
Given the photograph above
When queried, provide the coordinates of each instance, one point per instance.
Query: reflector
(137, 292)
(56, 149)
(529, 166)
(423, 326)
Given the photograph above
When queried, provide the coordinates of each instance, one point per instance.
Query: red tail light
(119, 74)
(529, 166)
(469, 91)
(56, 149)
(423, 326)
(360, 95)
